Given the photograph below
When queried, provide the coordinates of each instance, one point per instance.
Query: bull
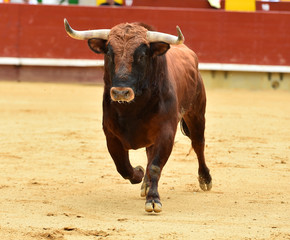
(151, 82)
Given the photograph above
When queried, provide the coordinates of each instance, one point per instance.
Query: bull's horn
(164, 37)
(85, 35)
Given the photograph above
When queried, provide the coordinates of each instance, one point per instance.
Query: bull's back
(184, 75)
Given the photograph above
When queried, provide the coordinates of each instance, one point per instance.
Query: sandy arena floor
(58, 181)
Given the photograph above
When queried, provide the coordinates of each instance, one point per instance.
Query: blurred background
(240, 44)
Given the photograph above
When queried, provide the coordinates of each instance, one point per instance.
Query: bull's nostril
(127, 93)
(114, 92)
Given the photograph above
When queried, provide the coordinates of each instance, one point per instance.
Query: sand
(58, 181)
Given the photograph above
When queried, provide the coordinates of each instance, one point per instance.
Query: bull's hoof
(145, 187)
(140, 168)
(152, 205)
(204, 184)
(138, 175)
(144, 191)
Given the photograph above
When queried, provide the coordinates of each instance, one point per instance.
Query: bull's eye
(141, 54)
(141, 58)
(110, 55)
(109, 58)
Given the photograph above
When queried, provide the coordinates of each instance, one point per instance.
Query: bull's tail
(184, 128)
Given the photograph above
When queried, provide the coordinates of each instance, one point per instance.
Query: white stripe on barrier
(61, 62)
(57, 62)
(244, 67)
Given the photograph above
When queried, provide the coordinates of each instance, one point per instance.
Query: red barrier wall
(215, 35)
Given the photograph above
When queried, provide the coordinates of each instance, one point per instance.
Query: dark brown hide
(167, 88)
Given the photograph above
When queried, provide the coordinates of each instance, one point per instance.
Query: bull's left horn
(85, 35)
(164, 37)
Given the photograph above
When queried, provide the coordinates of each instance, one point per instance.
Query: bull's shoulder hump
(181, 53)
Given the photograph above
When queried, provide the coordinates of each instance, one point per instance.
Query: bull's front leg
(121, 160)
(158, 155)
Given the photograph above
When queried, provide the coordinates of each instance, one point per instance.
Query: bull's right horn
(164, 37)
(85, 35)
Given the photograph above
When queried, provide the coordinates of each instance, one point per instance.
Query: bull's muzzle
(122, 94)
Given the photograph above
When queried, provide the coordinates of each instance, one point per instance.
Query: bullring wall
(36, 32)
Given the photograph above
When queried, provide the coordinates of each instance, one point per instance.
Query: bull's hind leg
(193, 127)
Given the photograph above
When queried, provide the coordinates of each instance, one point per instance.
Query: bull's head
(129, 50)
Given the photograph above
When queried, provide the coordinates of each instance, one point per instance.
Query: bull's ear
(97, 45)
(159, 48)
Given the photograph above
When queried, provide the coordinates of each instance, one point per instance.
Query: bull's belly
(135, 144)
(132, 134)
(135, 140)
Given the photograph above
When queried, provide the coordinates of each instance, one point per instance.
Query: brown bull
(151, 83)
